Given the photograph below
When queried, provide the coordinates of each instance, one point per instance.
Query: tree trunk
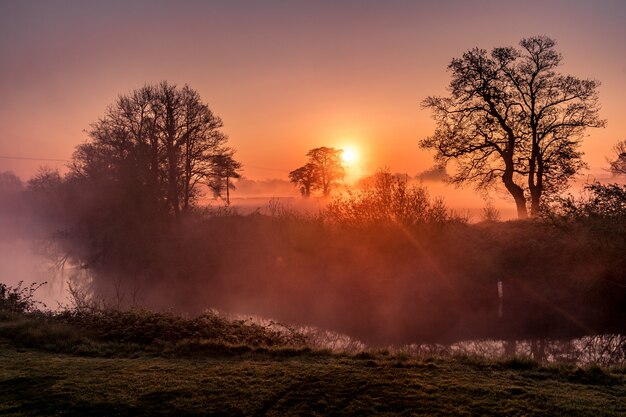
(173, 182)
(227, 190)
(518, 194)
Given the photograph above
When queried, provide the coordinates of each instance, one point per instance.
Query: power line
(28, 158)
(267, 169)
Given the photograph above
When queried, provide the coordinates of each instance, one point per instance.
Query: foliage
(225, 169)
(321, 172)
(145, 327)
(618, 163)
(387, 199)
(511, 117)
(597, 200)
(19, 299)
(160, 139)
(304, 177)
(96, 331)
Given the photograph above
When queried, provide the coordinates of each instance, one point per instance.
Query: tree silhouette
(304, 177)
(322, 172)
(511, 117)
(159, 138)
(618, 165)
(225, 168)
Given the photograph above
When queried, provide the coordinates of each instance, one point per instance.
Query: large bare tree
(512, 118)
(161, 135)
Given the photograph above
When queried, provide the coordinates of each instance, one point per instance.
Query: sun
(349, 156)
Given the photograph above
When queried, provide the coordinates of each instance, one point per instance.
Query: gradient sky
(285, 76)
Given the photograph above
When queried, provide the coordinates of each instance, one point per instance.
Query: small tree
(511, 117)
(618, 164)
(323, 171)
(225, 168)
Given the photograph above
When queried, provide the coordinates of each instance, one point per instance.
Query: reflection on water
(68, 285)
(605, 350)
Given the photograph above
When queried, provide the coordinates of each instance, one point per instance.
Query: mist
(361, 264)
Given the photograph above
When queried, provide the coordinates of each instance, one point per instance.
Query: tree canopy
(511, 117)
(321, 172)
(161, 139)
(618, 163)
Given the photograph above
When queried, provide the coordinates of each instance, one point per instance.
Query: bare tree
(511, 117)
(160, 135)
(618, 164)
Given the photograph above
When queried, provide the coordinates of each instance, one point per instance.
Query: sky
(284, 76)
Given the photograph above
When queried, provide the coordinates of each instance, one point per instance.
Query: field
(40, 383)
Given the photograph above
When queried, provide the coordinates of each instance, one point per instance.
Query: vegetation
(166, 365)
(512, 118)
(618, 162)
(158, 142)
(104, 332)
(385, 253)
(386, 199)
(322, 171)
(226, 169)
(36, 383)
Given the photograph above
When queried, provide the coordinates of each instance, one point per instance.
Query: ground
(39, 383)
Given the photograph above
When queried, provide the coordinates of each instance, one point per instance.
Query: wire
(267, 169)
(27, 158)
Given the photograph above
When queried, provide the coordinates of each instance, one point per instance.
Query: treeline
(385, 263)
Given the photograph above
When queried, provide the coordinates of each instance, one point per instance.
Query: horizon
(280, 85)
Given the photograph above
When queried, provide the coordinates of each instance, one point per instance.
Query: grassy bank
(142, 363)
(34, 382)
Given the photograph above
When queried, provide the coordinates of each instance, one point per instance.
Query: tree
(159, 138)
(224, 169)
(322, 172)
(11, 189)
(618, 165)
(304, 177)
(511, 117)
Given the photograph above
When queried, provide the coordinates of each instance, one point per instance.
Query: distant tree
(618, 164)
(511, 117)
(10, 183)
(45, 195)
(435, 173)
(305, 178)
(161, 137)
(11, 188)
(322, 172)
(225, 168)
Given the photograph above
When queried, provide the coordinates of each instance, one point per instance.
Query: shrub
(19, 299)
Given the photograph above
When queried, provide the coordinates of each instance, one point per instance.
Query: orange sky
(285, 76)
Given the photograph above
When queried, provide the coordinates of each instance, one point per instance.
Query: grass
(141, 363)
(38, 383)
(140, 332)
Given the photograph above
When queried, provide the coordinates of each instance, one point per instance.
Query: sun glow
(349, 156)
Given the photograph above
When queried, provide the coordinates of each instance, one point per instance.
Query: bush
(19, 299)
